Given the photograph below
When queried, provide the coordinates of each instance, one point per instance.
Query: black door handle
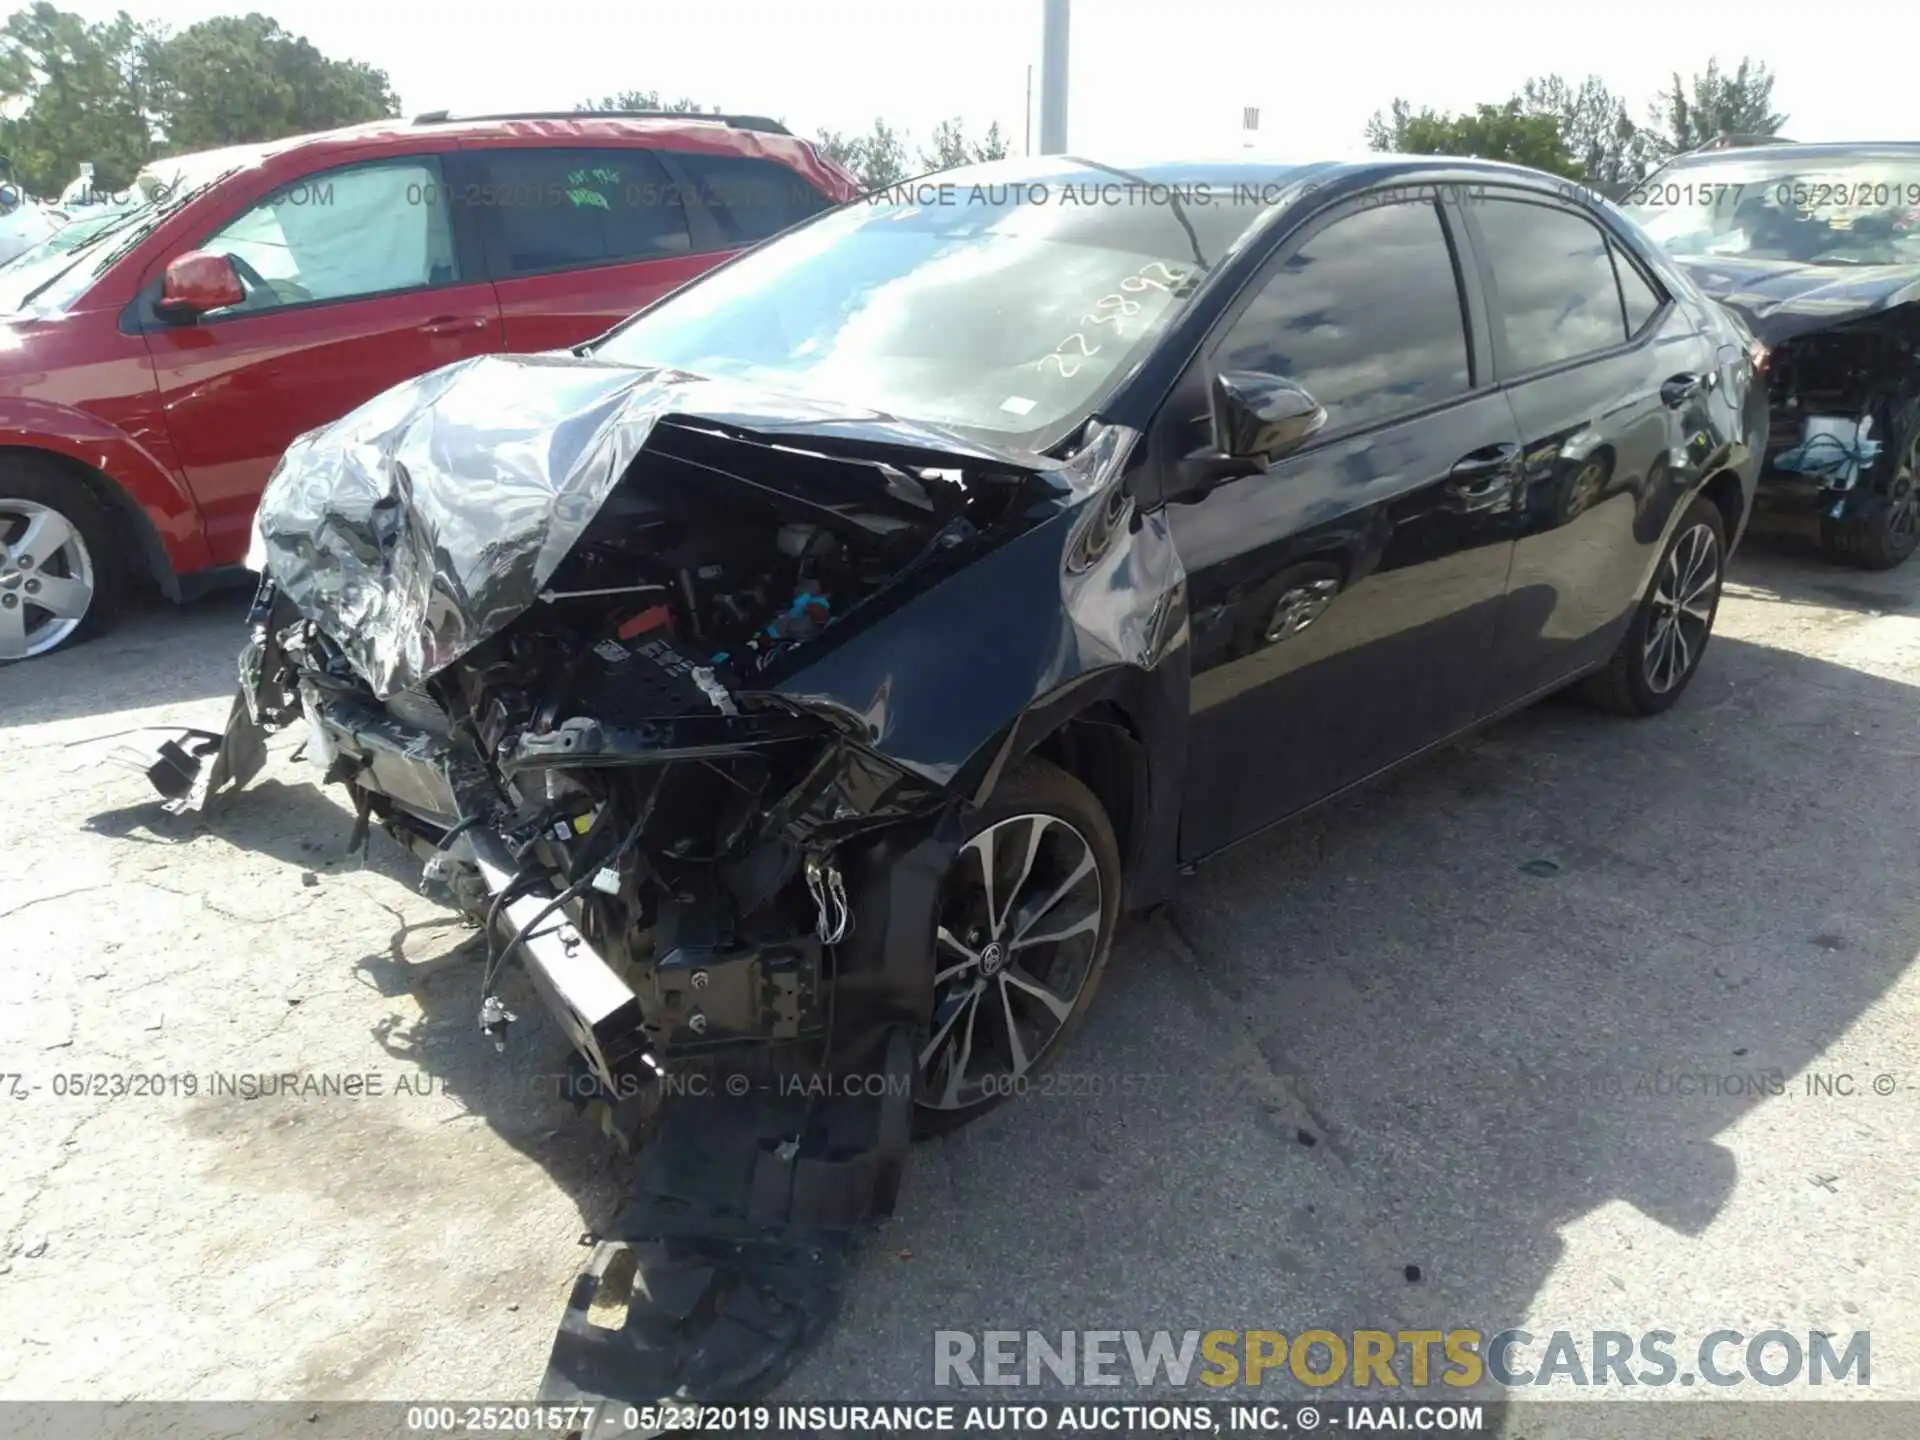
(1682, 389)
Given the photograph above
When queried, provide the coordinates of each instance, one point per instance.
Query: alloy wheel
(1684, 598)
(46, 579)
(1019, 930)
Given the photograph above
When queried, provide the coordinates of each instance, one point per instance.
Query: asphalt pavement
(1413, 1062)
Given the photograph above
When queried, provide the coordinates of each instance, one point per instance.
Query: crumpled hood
(1782, 298)
(427, 520)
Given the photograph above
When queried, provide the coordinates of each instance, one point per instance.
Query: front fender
(1088, 606)
(171, 518)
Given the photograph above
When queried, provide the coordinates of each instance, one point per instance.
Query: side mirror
(197, 282)
(1261, 417)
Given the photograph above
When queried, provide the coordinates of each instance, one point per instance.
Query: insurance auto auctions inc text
(1390, 1359)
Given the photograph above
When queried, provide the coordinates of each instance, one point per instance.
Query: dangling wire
(833, 917)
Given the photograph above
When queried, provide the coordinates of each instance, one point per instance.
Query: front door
(353, 284)
(1344, 601)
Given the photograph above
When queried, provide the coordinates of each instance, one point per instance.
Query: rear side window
(1639, 299)
(543, 210)
(751, 199)
(1366, 315)
(1556, 294)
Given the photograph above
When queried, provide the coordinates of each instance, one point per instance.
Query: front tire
(1661, 651)
(1888, 529)
(1022, 934)
(59, 565)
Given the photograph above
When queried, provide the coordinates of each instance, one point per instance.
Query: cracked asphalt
(1437, 1025)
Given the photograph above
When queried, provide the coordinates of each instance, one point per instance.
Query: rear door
(748, 198)
(354, 282)
(1344, 601)
(1609, 383)
(577, 238)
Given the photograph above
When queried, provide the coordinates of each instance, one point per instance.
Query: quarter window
(1555, 290)
(1366, 315)
(547, 210)
(342, 235)
(1639, 298)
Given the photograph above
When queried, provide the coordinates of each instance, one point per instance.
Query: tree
(242, 78)
(1387, 130)
(647, 100)
(1611, 151)
(1491, 132)
(1684, 117)
(951, 148)
(877, 159)
(75, 92)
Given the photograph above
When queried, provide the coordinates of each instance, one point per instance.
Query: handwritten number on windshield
(1069, 357)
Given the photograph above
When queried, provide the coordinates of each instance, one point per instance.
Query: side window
(341, 235)
(1639, 298)
(1557, 296)
(751, 198)
(544, 210)
(1367, 315)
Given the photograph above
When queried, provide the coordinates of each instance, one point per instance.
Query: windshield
(1849, 210)
(54, 273)
(978, 306)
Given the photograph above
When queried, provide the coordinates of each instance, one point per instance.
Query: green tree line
(1584, 131)
(120, 93)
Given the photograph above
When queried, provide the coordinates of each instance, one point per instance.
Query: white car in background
(24, 222)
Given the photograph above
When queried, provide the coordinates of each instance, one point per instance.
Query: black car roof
(1225, 170)
(1805, 150)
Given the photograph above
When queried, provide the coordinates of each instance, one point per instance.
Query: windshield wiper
(137, 225)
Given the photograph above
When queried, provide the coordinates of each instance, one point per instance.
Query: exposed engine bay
(609, 784)
(1836, 395)
(604, 648)
(1841, 345)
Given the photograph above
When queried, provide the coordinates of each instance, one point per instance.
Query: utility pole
(1029, 149)
(1053, 77)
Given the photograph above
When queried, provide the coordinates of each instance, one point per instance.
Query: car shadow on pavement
(158, 654)
(1377, 1063)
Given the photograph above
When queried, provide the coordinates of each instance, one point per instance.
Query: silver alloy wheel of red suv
(46, 578)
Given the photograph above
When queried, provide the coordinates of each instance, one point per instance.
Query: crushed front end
(1841, 402)
(569, 676)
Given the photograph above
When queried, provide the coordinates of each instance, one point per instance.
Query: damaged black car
(1817, 248)
(802, 679)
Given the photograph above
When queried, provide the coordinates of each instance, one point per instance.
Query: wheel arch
(1728, 495)
(1113, 731)
(135, 529)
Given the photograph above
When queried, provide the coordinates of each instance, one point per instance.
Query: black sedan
(801, 679)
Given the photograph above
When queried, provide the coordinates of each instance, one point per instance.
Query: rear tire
(1012, 988)
(1662, 649)
(60, 560)
(1888, 529)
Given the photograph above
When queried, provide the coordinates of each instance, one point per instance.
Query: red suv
(154, 367)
